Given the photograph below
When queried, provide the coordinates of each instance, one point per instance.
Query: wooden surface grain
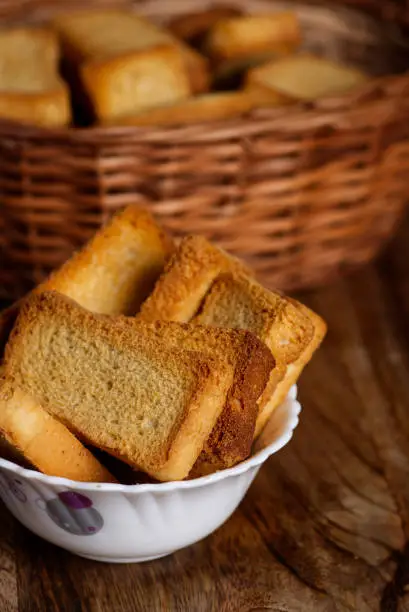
(325, 526)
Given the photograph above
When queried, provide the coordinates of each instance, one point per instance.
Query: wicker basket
(301, 193)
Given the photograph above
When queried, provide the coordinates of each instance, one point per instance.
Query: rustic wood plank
(8, 568)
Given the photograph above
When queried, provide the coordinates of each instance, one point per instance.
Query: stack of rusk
(171, 358)
(123, 69)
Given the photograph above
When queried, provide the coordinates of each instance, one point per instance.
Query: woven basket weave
(302, 193)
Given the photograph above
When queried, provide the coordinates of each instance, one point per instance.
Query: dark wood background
(324, 527)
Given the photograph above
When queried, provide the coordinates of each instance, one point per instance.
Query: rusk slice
(31, 90)
(284, 326)
(238, 44)
(43, 441)
(188, 276)
(103, 34)
(151, 405)
(295, 369)
(303, 77)
(231, 439)
(250, 35)
(136, 81)
(118, 268)
(113, 273)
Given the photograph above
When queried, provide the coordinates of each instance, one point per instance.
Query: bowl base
(122, 559)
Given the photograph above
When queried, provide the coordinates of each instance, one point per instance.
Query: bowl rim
(293, 411)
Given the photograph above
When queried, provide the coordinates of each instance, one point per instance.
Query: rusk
(31, 437)
(43, 441)
(303, 77)
(117, 269)
(103, 34)
(130, 394)
(113, 273)
(249, 35)
(283, 325)
(135, 81)
(31, 90)
(187, 277)
(252, 362)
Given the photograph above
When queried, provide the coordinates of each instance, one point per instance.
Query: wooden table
(324, 527)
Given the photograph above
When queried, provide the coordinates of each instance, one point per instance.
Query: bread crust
(294, 370)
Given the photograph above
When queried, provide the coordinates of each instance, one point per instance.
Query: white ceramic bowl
(133, 523)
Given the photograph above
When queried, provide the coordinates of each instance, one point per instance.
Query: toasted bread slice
(151, 405)
(295, 369)
(117, 269)
(130, 83)
(113, 273)
(47, 109)
(209, 107)
(188, 276)
(231, 439)
(100, 35)
(43, 441)
(285, 327)
(304, 77)
(192, 27)
(249, 35)
(31, 90)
